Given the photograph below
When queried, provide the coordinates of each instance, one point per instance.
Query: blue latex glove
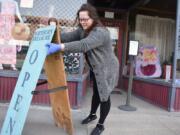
(53, 48)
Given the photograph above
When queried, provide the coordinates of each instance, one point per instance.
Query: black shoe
(97, 130)
(89, 119)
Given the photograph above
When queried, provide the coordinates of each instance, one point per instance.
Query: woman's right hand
(53, 48)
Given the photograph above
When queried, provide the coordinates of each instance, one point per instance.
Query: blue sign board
(26, 83)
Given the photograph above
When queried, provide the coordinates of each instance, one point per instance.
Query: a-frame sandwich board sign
(27, 80)
(55, 72)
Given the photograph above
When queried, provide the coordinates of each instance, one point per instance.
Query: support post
(172, 92)
(127, 106)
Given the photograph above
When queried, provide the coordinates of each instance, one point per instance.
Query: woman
(93, 39)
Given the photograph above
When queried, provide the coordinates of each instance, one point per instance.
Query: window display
(147, 62)
(72, 62)
(9, 11)
(39, 18)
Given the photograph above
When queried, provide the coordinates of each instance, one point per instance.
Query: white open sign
(133, 47)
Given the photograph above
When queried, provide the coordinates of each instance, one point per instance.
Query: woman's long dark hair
(92, 14)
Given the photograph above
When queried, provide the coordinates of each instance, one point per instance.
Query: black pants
(104, 106)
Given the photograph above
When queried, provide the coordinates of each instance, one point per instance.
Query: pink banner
(6, 24)
(7, 54)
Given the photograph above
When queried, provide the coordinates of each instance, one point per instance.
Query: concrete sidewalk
(147, 120)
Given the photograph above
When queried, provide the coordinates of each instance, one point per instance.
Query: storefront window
(155, 34)
(20, 19)
(71, 60)
(8, 50)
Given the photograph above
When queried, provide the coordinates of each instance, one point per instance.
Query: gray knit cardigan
(98, 47)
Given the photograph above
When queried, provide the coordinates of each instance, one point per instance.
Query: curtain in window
(156, 31)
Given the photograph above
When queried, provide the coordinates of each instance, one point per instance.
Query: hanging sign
(26, 3)
(26, 83)
(133, 47)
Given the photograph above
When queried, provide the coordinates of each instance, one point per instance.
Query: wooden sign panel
(55, 71)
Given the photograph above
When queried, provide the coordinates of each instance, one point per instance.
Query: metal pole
(130, 83)
(127, 106)
(172, 92)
